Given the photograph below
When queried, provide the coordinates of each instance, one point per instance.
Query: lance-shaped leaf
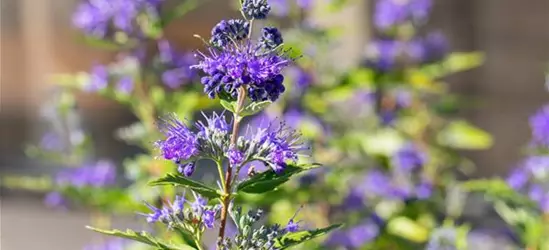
(253, 108)
(269, 180)
(292, 239)
(228, 105)
(408, 229)
(462, 135)
(142, 237)
(178, 180)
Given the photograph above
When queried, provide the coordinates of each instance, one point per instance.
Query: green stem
(225, 200)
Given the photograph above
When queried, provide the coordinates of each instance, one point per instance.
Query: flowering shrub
(386, 129)
(246, 75)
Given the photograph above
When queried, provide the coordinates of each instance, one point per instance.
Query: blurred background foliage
(380, 117)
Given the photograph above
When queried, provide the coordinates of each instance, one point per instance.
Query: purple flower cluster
(176, 69)
(276, 145)
(246, 66)
(539, 123)
(531, 178)
(390, 13)
(234, 61)
(99, 18)
(354, 237)
(176, 213)
(100, 174)
(272, 145)
(181, 144)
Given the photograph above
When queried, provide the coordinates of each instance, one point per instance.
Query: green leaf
(498, 190)
(142, 237)
(269, 180)
(408, 229)
(462, 135)
(254, 108)
(382, 142)
(228, 105)
(292, 239)
(178, 180)
(457, 62)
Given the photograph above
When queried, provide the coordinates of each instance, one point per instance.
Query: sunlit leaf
(228, 105)
(292, 239)
(178, 180)
(408, 229)
(142, 237)
(253, 108)
(462, 135)
(384, 142)
(269, 180)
